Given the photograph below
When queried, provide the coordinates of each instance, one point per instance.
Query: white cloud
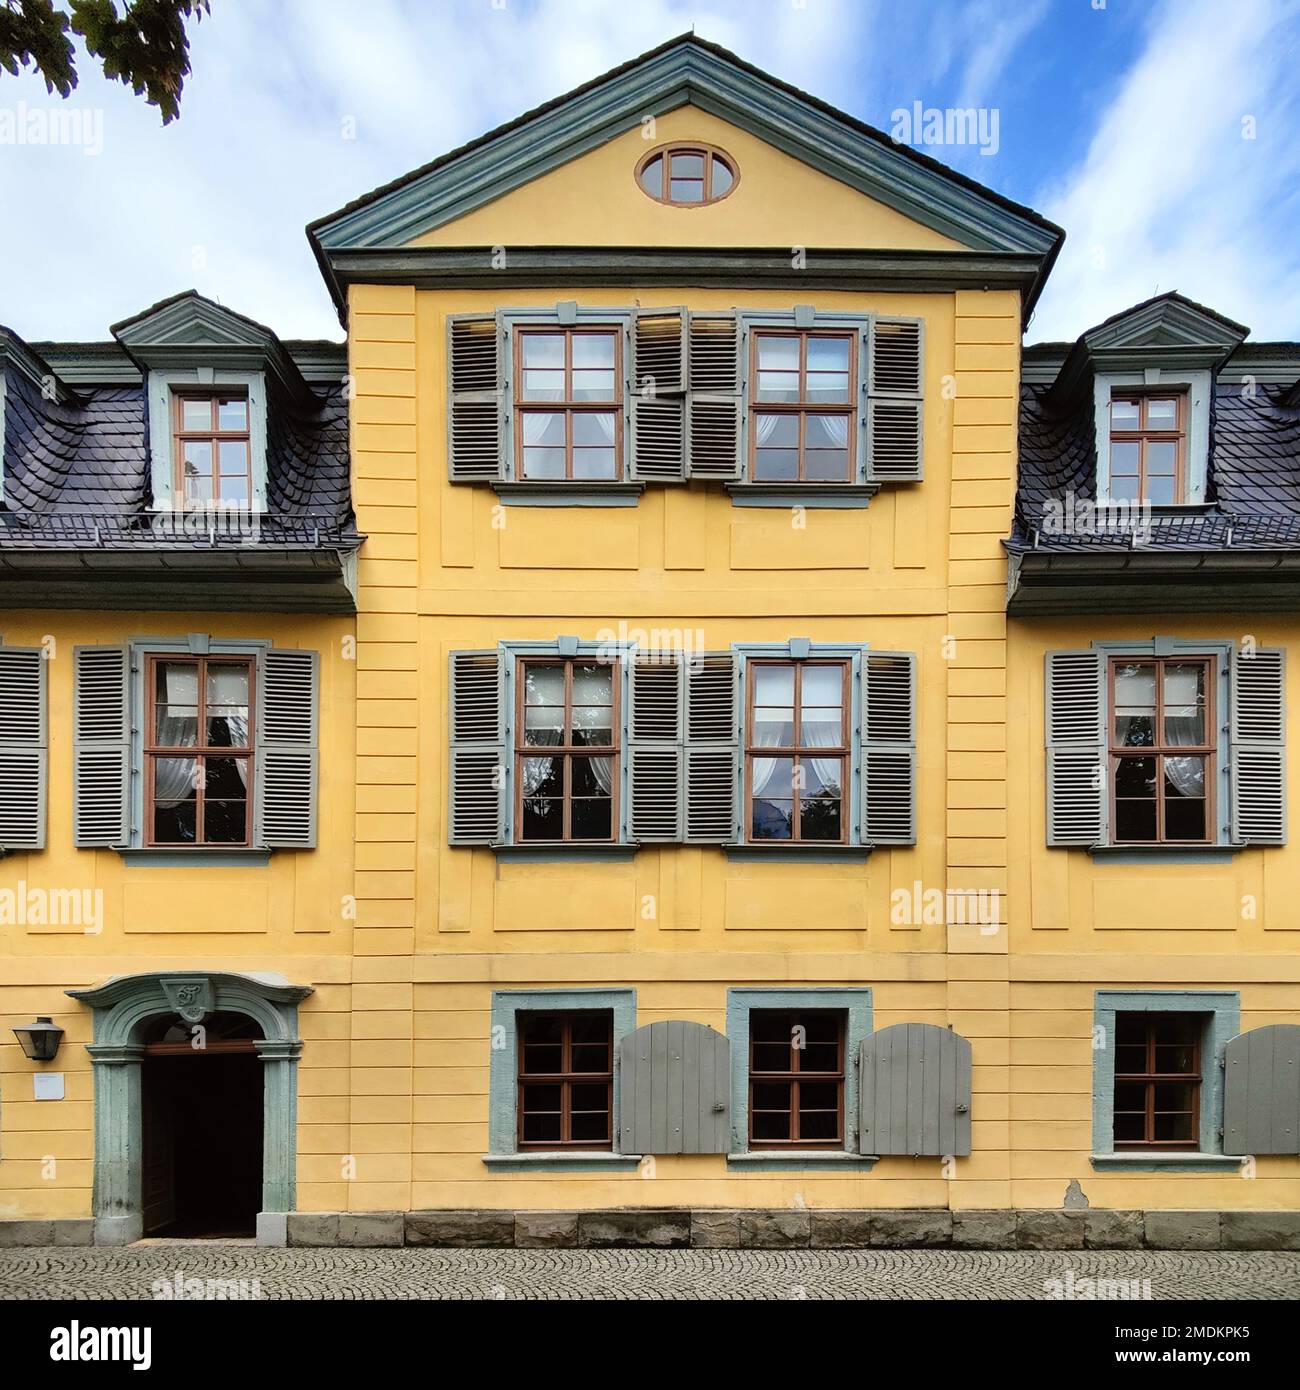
(1170, 195)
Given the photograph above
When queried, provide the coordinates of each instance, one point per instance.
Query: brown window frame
(566, 1078)
(200, 751)
(799, 751)
(1144, 435)
(794, 1075)
(1152, 1078)
(568, 407)
(1160, 750)
(568, 750)
(213, 437)
(710, 153)
(803, 407)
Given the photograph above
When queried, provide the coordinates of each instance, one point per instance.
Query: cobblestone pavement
(131, 1273)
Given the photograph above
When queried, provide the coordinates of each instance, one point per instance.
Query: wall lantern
(40, 1040)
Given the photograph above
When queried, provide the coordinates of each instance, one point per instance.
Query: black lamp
(40, 1040)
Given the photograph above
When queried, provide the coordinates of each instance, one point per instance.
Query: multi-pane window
(1162, 750)
(1157, 1080)
(687, 174)
(211, 448)
(1147, 448)
(566, 749)
(568, 404)
(198, 751)
(796, 1079)
(801, 428)
(797, 750)
(566, 1080)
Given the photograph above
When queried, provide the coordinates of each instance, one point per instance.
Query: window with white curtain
(802, 393)
(568, 398)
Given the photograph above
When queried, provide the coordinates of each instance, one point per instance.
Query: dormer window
(211, 448)
(1147, 447)
(687, 175)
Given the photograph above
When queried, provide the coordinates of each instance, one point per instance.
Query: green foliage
(144, 46)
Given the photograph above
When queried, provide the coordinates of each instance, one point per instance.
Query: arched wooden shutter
(674, 1090)
(1076, 748)
(916, 1091)
(889, 748)
(658, 392)
(895, 401)
(712, 748)
(474, 408)
(101, 747)
(1261, 1091)
(1258, 747)
(23, 750)
(477, 778)
(286, 770)
(713, 406)
(654, 747)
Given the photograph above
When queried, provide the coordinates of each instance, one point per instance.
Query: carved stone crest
(191, 998)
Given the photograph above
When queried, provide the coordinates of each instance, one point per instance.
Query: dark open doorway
(202, 1132)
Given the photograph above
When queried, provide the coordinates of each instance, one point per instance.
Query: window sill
(159, 858)
(555, 1161)
(1130, 1161)
(565, 854)
(1165, 854)
(786, 1161)
(799, 854)
(812, 495)
(569, 494)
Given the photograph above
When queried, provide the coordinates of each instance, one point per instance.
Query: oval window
(687, 175)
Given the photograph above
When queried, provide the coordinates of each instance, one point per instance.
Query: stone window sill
(157, 857)
(569, 494)
(590, 1161)
(1131, 1161)
(811, 495)
(785, 1161)
(1167, 854)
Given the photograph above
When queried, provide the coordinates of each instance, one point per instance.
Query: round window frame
(687, 147)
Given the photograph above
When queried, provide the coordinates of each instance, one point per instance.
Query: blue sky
(1160, 133)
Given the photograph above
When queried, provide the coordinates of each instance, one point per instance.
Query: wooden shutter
(1261, 1091)
(477, 777)
(474, 452)
(659, 395)
(1258, 746)
(23, 751)
(101, 747)
(895, 401)
(916, 1091)
(889, 748)
(712, 748)
(654, 747)
(713, 405)
(1076, 748)
(674, 1090)
(288, 694)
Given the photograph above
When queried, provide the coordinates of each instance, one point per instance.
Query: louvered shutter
(1076, 748)
(286, 761)
(1261, 1091)
(22, 748)
(1258, 743)
(659, 395)
(915, 1095)
(895, 401)
(889, 748)
(474, 452)
(713, 406)
(101, 747)
(654, 748)
(712, 748)
(477, 775)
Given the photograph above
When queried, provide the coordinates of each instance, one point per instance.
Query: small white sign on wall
(47, 1085)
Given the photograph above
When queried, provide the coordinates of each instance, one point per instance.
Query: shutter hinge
(1223, 1063)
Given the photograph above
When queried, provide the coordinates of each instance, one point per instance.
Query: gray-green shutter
(654, 747)
(674, 1090)
(712, 748)
(889, 748)
(23, 748)
(477, 780)
(1258, 747)
(286, 769)
(713, 402)
(1076, 748)
(896, 401)
(658, 393)
(474, 406)
(916, 1091)
(101, 747)
(1261, 1091)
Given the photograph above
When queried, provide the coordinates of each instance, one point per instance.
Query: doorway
(202, 1127)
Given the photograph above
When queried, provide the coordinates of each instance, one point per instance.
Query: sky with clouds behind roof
(1162, 134)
